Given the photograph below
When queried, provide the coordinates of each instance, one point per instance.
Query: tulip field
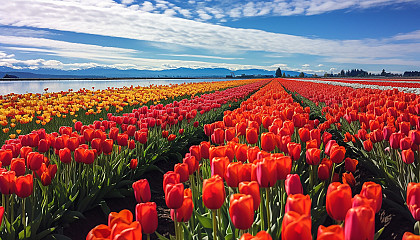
(246, 159)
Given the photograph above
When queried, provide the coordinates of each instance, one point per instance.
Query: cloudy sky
(314, 36)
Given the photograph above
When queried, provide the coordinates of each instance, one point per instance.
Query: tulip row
(266, 156)
(396, 83)
(20, 113)
(65, 173)
(384, 126)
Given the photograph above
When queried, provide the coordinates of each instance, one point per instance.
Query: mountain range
(100, 72)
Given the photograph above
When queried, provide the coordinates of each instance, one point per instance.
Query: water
(53, 85)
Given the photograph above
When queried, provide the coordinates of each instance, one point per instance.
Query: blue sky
(314, 36)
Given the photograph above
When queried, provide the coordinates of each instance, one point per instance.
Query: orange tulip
(182, 170)
(268, 142)
(251, 135)
(233, 174)
(251, 188)
(241, 211)
(359, 223)
(146, 215)
(337, 154)
(338, 200)
(213, 192)
(349, 179)
(284, 166)
(266, 172)
(296, 226)
(241, 152)
(304, 134)
(294, 150)
(313, 156)
(141, 191)
(99, 232)
(410, 236)
(298, 203)
(373, 191)
(332, 232)
(174, 195)
(218, 136)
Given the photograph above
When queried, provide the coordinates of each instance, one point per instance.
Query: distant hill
(116, 73)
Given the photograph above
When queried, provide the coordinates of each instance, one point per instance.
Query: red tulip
(170, 177)
(142, 191)
(43, 146)
(184, 213)
(174, 195)
(182, 170)
(230, 134)
(332, 232)
(233, 174)
(6, 157)
(241, 152)
(99, 232)
(213, 192)
(133, 163)
(337, 154)
(359, 200)
(268, 142)
(218, 166)
(359, 223)
(171, 137)
(284, 166)
(405, 143)
(252, 153)
(122, 140)
(338, 200)
(266, 172)
(208, 129)
(262, 235)
(251, 188)
(18, 166)
(107, 146)
(251, 135)
(367, 145)
(192, 163)
(410, 236)
(7, 182)
(296, 226)
(204, 149)
(141, 137)
(294, 150)
(407, 156)
(24, 151)
(350, 164)
(196, 124)
(324, 169)
(146, 215)
(46, 178)
(394, 140)
(195, 150)
(304, 134)
(72, 143)
(1, 214)
(313, 156)
(373, 190)
(326, 137)
(35, 160)
(88, 134)
(293, 184)
(241, 211)
(240, 128)
(298, 203)
(349, 179)
(24, 186)
(65, 155)
(218, 136)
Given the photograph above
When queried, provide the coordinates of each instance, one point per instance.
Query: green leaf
(187, 232)
(378, 233)
(44, 233)
(114, 194)
(161, 237)
(205, 221)
(60, 237)
(105, 208)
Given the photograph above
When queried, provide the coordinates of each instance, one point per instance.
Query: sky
(314, 36)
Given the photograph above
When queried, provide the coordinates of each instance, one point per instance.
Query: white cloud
(203, 15)
(320, 65)
(127, 2)
(147, 6)
(305, 65)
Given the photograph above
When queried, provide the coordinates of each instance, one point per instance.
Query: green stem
(332, 173)
(267, 205)
(23, 218)
(311, 177)
(176, 225)
(262, 211)
(214, 224)
(148, 236)
(282, 204)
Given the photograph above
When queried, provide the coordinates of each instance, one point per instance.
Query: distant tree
(278, 72)
(10, 76)
(342, 73)
(301, 75)
(383, 73)
(284, 75)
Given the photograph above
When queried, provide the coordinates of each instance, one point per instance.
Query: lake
(54, 85)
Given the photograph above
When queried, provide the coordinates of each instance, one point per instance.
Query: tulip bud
(213, 192)
(293, 184)
(241, 211)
